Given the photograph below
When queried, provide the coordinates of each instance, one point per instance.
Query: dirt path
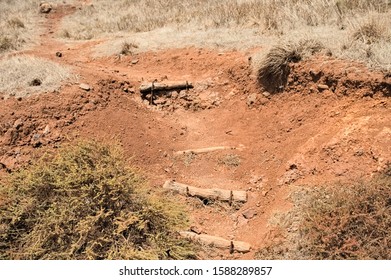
(295, 138)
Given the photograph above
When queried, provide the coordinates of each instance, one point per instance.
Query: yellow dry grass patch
(26, 75)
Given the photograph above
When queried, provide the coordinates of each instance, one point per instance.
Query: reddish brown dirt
(305, 135)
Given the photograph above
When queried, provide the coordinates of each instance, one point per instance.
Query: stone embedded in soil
(35, 82)
(249, 214)
(18, 123)
(85, 87)
(196, 229)
(45, 7)
(251, 99)
(242, 221)
(46, 130)
(323, 87)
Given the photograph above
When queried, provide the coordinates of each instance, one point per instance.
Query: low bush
(336, 222)
(85, 203)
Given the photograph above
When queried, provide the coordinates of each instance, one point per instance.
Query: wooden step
(218, 242)
(214, 194)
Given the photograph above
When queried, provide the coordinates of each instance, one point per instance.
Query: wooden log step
(218, 242)
(215, 194)
(207, 150)
(155, 86)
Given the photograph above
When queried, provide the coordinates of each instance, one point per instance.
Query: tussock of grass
(128, 48)
(337, 222)
(84, 203)
(274, 68)
(19, 72)
(372, 30)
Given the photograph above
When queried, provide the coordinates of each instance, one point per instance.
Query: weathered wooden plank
(147, 87)
(208, 150)
(218, 242)
(215, 193)
(203, 150)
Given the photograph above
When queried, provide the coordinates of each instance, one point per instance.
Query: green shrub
(84, 203)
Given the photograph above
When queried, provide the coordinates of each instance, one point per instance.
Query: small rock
(36, 82)
(46, 130)
(160, 101)
(251, 99)
(195, 229)
(18, 123)
(255, 179)
(323, 87)
(266, 93)
(36, 141)
(241, 221)
(45, 7)
(59, 54)
(134, 61)
(250, 213)
(85, 87)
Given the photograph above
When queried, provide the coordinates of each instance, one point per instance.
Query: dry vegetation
(19, 23)
(85, 203)
(274, 67)
(16, 25)
(336, 222)
(356, 29)
(24, 75)
(230, 160)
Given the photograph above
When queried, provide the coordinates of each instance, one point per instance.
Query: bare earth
(310, 134)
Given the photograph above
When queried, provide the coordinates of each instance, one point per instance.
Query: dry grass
(274, 68)
(19, 24)
(85, 203)
(141, 16)
(236, 24)
(15, 25)
(128, 48)
(336, 222)
(24, 75)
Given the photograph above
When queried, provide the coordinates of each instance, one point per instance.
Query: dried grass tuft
(128, 48)
(274, 68)
(371, 31)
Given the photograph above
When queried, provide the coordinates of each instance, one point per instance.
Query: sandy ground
(332, 123)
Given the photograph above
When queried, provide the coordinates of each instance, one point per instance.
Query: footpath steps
(224, 195)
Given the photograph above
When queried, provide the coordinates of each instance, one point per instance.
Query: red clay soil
(332, 123)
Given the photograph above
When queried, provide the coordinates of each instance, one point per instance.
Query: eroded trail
(304, 136)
